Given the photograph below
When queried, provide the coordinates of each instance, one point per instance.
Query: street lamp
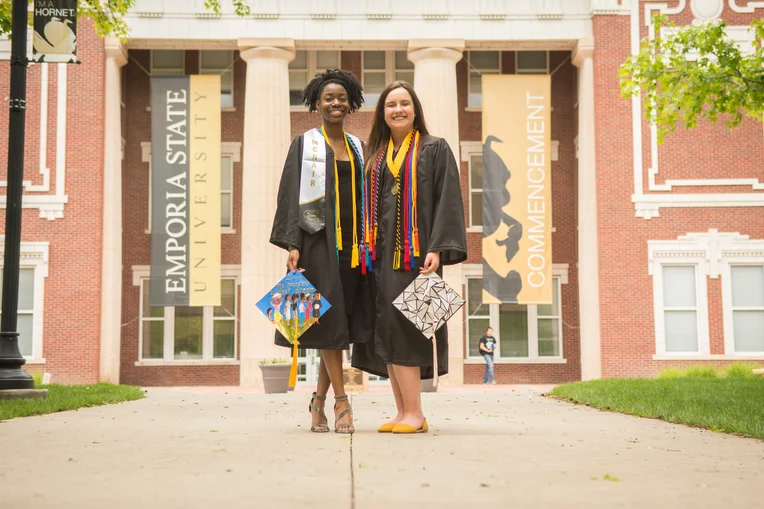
(11, 360)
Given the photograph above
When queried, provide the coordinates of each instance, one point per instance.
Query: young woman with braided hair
(319, 220)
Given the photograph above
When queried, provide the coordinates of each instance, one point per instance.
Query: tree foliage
(107, 15)
(696, 72)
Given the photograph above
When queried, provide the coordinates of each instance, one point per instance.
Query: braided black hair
(347, 79)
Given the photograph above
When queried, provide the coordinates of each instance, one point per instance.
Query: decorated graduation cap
(428, 302)
(293, 306)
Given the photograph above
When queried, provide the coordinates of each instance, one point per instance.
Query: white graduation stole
(313, 182)
(312, 202)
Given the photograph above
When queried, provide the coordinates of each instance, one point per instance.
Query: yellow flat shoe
(405, 428)
(386, 427)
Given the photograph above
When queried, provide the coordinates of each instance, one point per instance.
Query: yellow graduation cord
(337, 224)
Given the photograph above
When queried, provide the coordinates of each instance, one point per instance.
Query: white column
(588, 255)
(266, 142)
(111, 268)
(435, 84)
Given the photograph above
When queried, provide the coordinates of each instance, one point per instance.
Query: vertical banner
(517, 192)
(185, 191)
(55, 31)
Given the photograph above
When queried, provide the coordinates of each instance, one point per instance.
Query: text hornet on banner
(517, 190)
(55, 31)
(185, 191)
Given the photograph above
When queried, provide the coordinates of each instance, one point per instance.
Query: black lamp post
(11, 360)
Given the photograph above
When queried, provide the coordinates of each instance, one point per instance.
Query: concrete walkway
(492, 447)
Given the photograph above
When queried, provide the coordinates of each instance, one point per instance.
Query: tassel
(363, 260)
(406, 257)
(339, 238)
(434, 362)
(354, 257)
(368, 261)
(397, 260)
(416, 242)
(293, 372)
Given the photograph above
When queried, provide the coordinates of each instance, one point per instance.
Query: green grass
(68, 397)
(730, 404)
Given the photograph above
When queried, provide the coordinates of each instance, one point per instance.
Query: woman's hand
(292, 259)
(431, 263)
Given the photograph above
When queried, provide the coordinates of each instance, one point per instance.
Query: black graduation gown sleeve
(286, 230)
(448, 235)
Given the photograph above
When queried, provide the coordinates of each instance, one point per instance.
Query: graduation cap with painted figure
(428, 302)
(293, 306)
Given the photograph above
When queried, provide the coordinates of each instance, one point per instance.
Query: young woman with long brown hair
(414, 220)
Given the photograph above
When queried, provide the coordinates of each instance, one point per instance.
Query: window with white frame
(304, 66)
(25, 320)
(523, 332)
(168, 62)
(230, 154)
(404, 69)
(746, 283)
(476, 189)
(29, 323)
(373, 76)
(185, 333)
(219, 62)
(480, 63)
(680, 308)
(532, 62)
(478, 315)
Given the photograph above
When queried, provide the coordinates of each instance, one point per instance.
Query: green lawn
(69, 397)
(730, 404)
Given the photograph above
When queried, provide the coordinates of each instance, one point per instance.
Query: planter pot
(275, 377)
(427, 385)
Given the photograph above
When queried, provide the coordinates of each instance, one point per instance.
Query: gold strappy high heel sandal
(319, 427)
(343, 428)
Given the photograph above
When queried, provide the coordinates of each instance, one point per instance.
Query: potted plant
(275, 375)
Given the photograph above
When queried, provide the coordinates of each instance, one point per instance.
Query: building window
(404, 69)
(532, 62)
(219, 62)
(523, 331)
(478, 315)
(304, 66)
(476, 189)
(168, 62)
(230, 154)
(480, 63)
(226, 191)
(747, 308)
(185, 333)
(29, 323)
(374, 76)
(26, 311)
(680, 308)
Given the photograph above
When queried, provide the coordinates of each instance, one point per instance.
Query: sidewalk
(488, 447)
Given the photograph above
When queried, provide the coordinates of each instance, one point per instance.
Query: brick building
(658, 250)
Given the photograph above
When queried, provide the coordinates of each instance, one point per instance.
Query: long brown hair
(380, 131)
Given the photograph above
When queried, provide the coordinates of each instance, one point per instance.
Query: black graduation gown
(441, 228)
(344, 322)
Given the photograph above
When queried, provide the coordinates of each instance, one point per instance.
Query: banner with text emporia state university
(517, 190)
(185, 191)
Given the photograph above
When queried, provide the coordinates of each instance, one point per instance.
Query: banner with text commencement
(185, 191)
(517, 189)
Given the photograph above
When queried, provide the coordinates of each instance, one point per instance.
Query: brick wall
(71, 343)
(564, 218)
(136, 240)
(626, 289)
